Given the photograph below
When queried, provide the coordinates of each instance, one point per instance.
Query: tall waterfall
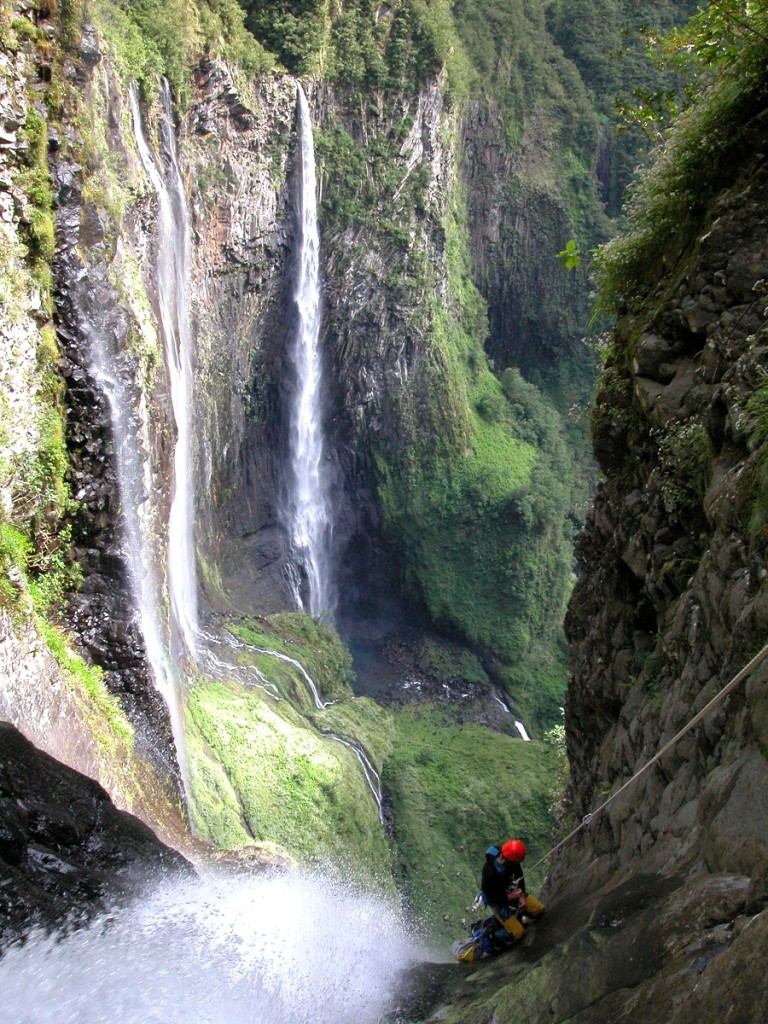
(144, 581)
(310, 521)
(173, 258)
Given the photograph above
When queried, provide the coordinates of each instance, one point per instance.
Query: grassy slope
(260, 771)
(455, 789)
(265, 769)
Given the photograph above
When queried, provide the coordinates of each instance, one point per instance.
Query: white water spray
(173, 258)
(310, 518)
(219, 949)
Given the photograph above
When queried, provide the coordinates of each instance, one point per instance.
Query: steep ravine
(658, 909)
(236, 145)
(438, 463)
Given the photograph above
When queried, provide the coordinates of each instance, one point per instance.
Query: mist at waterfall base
(218, 949)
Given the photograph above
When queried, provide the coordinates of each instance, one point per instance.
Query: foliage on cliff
(609, 42)
(478, 488)
(35, 496)
(150, 38)
(363, 43)
(473, 474)
(723, 53)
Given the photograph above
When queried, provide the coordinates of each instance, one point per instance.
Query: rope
(588, 818)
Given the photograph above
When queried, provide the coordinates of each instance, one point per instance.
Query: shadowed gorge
(382, 469)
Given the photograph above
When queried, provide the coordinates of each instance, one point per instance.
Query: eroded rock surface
(672, 599)
(666, 949)
(66, 852)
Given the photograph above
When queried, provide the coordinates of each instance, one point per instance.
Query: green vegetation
(449, 663)
(260, 771)
(316, 646)
(685, 455)
(267, 770)
(456, 789)
(363, 43)
(88, 683)
(264, 765)
(150, 38)
(609, 42)
(35, 180)
(726, 48)
(36, 536)
(477, 495)
(36, 505)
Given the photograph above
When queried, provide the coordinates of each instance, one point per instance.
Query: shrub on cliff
(149, 38)
(724, 52)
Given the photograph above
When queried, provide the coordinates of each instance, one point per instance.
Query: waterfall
(219, 948)
(310, 518)
(145, 586)
(173, 258)
(310, 522)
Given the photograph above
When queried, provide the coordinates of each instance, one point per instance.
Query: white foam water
(219, 949)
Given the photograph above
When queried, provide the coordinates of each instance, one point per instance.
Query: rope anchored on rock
(719, 696)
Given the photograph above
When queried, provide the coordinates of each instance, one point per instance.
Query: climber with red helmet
(503, 886)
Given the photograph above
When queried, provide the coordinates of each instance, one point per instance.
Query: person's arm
(519, 877)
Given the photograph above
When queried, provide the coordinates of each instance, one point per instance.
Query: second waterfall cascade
(182, 647)
(173, 259)
(310, 522)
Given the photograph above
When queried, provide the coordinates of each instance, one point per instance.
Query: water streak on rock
(173, 257)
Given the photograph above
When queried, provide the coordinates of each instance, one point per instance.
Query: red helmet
(514, 850)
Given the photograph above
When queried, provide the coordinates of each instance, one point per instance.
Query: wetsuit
(497, 878)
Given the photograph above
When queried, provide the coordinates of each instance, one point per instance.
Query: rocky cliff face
(671, 601)
(669, 605)
(237, 147)
(658, 908)
(520, 216)
(97, 286)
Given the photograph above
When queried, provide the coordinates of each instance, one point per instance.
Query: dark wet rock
(651, 948)
(668, 576)
(100, 615)
(653, 358)
(89, 50)
(66, 853)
